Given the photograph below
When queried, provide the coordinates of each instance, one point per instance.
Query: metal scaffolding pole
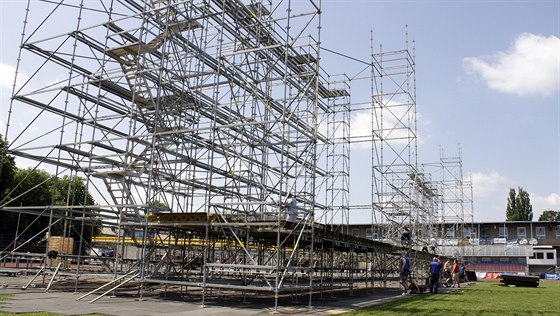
(193, 120)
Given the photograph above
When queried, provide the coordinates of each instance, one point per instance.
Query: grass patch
(482, 298)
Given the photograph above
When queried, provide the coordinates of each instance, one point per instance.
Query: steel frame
(192, 120)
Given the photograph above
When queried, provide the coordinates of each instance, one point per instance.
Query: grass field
(482, 298)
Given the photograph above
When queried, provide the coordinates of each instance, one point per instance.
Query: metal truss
(399, 190)
(192, 120)
(454, 221)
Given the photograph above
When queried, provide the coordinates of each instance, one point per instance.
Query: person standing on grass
(447, 272)
(434, 276)
(447, 266)
(455, 273)
(462, 276)
(404, 272)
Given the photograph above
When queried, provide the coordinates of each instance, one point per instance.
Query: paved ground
(62, 299)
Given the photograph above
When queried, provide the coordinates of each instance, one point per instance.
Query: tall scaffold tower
(338, 155)
(456, 215)
(453, 217)
(402, 196)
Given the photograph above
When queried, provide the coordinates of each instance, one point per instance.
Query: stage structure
(455, 206)
(403, 195)
(191, 122)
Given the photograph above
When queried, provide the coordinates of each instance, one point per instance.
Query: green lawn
(482, 298)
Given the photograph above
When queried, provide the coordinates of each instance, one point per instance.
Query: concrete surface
(62, 299)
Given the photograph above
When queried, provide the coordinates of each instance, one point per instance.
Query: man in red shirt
(455, 273)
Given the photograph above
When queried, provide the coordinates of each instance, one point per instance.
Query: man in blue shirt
(434, 276)
(462, 276)
(404, 271)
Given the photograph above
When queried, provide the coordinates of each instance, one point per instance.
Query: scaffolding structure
(192, 122)
(403, 197)
(455, 218)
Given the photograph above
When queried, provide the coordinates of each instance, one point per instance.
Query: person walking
(462, 275)
(447, 266)
(406, 236)
(434, 276)
(404, 272)
(447, 279)
(455, 273)
(433, 245)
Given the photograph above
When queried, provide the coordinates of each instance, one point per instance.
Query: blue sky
(488, 78)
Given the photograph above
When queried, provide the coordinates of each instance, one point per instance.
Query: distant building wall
(510, 246)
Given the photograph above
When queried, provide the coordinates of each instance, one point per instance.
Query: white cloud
(486, 184)
(423, 124)
(542, 203)
(7, 73)
(360, 125)
(397, 119)
(530, 66)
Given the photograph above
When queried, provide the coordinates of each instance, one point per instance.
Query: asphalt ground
(61, 298)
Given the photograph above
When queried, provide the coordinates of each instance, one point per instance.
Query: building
(502, 247)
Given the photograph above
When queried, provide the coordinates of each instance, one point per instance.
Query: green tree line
(519, 208)
(34, 187)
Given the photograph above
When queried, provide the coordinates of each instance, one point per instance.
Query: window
(356, 232)
(521, 232)
(550, 255)
(371, 235)
(539, 255)
(450, 232)
(503, 232)
(485, 232)
(541, 232)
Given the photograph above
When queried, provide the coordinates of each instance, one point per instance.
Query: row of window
(541, 255)
(503, 232)
(540, 232)
(369, 233)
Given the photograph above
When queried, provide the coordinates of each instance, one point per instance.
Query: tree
(519, 206)
(550, 216)
(33, 187)
(510, 208)
(7, 168)
(73, 191)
